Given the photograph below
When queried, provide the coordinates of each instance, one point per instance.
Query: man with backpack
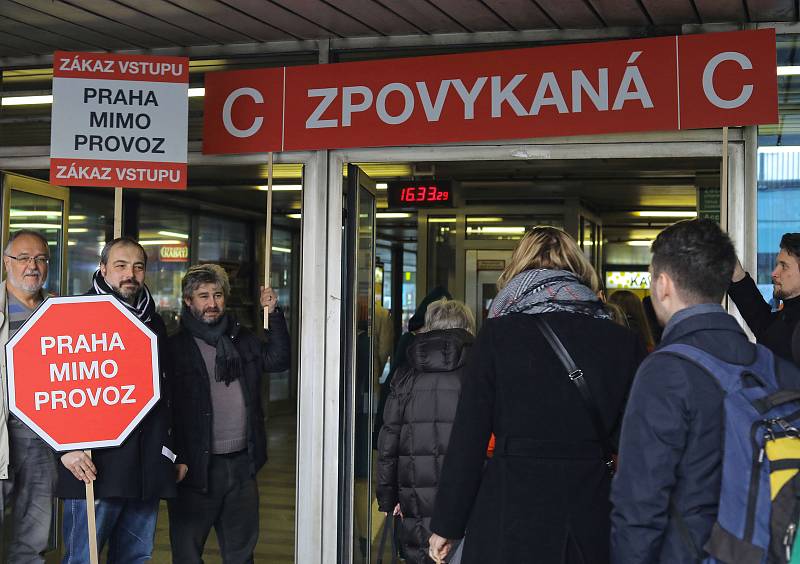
(693, 480)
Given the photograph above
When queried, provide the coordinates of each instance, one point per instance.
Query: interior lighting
(26, 213)
(496, 230)
(77, 230)
(392, 215)
(441, 220)
(77, 218)
(294, 215)
(35, 226)
(788, 70)
(160, 242)
(670, 213)
(281, 250)
(639, 243)
(382, 186)
(485, 219)
(71, 243)
(171, 234)
(26, 100)
(48, 98)
(283, 188)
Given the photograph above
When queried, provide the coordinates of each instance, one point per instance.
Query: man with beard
(27, 467)
(773, 329)
(129, 480)
(219, 423)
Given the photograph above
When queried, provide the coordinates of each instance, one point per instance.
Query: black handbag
(575, 375)
(389, 528)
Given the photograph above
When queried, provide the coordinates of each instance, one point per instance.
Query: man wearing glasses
(27, 466)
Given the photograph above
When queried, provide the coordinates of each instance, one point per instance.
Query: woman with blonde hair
(549, 374)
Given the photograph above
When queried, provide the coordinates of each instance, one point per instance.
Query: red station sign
(654, 84)
(82, 372)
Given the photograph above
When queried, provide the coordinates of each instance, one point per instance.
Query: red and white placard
(655, 84)
(82, 372)
(119, 120)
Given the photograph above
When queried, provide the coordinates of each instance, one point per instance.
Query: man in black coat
(219, 423)
(773, 329)
(667, 488)
(129, 480)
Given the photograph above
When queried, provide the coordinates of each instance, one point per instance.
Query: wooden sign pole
(268, 234)
(117, 212)
(90, 517)
(723, 188)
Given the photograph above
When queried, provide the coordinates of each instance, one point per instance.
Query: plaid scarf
(542, 291)
(144, 308)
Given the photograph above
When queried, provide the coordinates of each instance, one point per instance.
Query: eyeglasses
(24, 259)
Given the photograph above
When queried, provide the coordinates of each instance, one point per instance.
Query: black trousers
(230, 506)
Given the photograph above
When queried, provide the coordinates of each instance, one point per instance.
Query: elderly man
(129, 480)
(27, 468)
(219, 423)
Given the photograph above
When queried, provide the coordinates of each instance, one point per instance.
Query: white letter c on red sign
(708, 80)
(228, 106)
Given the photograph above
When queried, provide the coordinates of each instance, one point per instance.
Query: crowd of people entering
(578, 430)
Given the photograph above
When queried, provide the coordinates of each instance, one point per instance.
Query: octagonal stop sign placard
(82, 372)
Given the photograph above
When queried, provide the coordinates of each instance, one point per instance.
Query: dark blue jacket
(671, 445)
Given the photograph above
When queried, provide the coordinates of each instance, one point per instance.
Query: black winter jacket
(192, 393)
(773, 329)
(418, 418)
(139, 468)
(543, 497)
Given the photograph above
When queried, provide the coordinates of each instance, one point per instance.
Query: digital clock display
(420, 194)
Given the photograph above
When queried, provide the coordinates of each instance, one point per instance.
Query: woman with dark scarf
(543, 497)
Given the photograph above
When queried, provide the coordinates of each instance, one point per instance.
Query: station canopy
(33, 29)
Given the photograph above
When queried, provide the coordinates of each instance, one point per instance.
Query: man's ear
(187, 301)
(103, 269)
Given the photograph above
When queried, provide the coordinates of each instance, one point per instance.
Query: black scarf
(220, 335)
(145, 306)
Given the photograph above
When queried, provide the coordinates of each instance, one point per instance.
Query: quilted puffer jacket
(412, 444)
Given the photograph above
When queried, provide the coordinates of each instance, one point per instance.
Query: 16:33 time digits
(424, 194)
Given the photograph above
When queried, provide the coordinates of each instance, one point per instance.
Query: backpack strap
(731, 377)
(575, 375)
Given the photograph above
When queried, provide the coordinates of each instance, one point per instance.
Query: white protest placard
(119, 120)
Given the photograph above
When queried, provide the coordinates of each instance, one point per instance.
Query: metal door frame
(741, 223)
(16, 182)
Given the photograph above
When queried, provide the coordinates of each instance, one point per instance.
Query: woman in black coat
(543, 497)
(418, 417)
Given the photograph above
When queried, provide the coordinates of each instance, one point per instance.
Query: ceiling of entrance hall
(37, 27)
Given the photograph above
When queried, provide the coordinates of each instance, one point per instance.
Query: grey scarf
(542, 291)
(221, 336)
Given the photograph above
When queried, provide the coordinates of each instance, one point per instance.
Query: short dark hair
(700, 258)
(201, 274)
(26, 233)
(790, 242)
(121, 241)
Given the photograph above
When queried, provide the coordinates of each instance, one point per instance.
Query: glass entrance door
(359, 381)
(33, 204)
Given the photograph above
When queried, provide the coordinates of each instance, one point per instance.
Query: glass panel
(779, 167)
(227, 243)
(281, 280)
(409, 286)
(164, 232)
(441, 252)
(42, 214)
(507, 227)
(91, 224)
(364, 508)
